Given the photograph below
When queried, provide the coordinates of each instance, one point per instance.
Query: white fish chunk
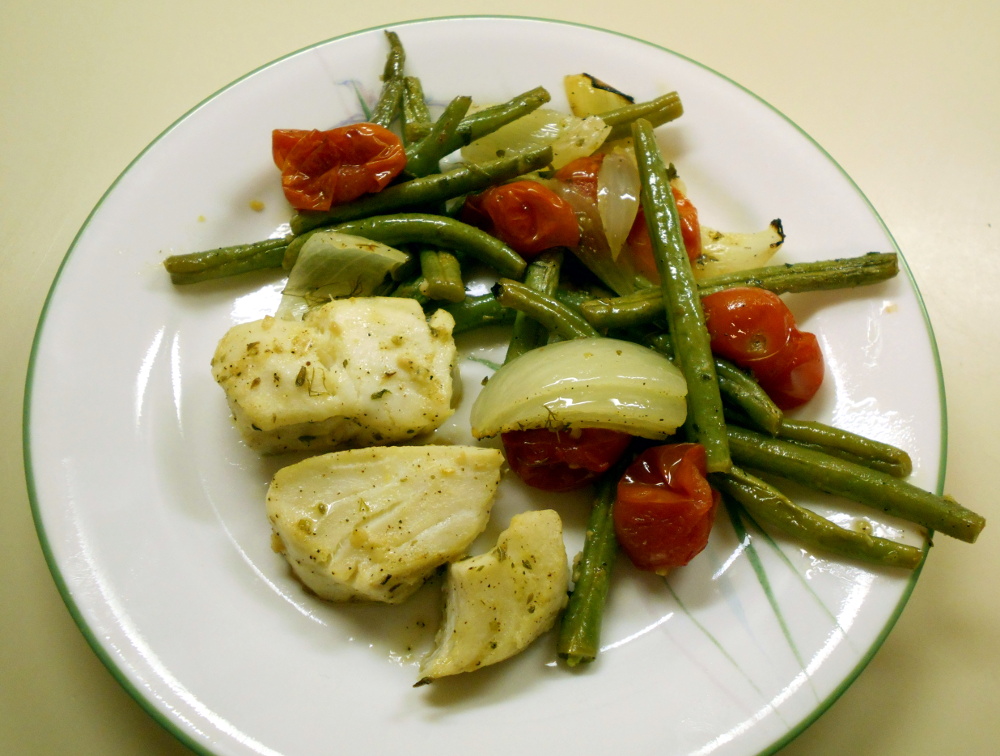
(354, 372)
(373, 524)
(497, 603)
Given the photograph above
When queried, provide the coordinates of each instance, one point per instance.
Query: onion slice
(569, 137)
(332, 265)
(731, 252)
(618, 189)
(584, 383)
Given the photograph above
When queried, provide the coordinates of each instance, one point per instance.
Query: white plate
(151, 511)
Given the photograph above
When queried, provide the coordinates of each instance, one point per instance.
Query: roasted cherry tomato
(793, 376)
(320, 169)
(582, 174)
(641, 248)
(562, 460)
(525, 215)
(755, 329)
(665, 507)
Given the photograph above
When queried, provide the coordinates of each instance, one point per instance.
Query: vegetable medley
(651, 357)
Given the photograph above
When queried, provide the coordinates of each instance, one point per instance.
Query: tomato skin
(563, 460)
(665, 507)
(755, 329)
(527, 216)
(690, 225)
(747, 324)
(320, 169)
(641, 247)
(582, 174)
(793, 376)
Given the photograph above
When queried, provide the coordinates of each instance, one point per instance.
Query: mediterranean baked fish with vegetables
(651, 360)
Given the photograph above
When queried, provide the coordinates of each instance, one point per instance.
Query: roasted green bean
(646, 304)
(488, 120)
(442, 275)
(580, 626)
(657, 112)
(543, 276)
(422, 158)
(479, 311)
(705, 422)
(387, 107)
(769, 507)
(850, 446)
(736, 386)
(414, 114)
(556, 317)
(222, 262)
(441, 231)
(876, 489)
(427, 190)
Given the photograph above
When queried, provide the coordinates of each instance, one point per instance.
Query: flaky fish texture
(351, 373)
(373, 524)
(498, 603)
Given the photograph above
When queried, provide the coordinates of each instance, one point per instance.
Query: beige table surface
(905, 94)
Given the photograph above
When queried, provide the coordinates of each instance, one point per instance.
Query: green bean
(745, 393)
(387, 107)
(769, 507)
(554, 316)
(226, 261)
(705, 423)
(823, 472)
(823, 275)
(580, 626)
(542, 275)
(415, 288)
(813, 435)
(657, 111)
(488, 120)
(646, 305)
(473, 125)
(573, 297)
(442, 275)
(440, 231)
(427, 190)
(396, 59)
(851, 446)
(415, 116)
(422, 158)
(638, 308)
(478, 312)
(736, 386)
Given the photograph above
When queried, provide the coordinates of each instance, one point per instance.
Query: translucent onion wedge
(732, 252)
(584, 383)
(617, 197)
(570, 137)
(593, 250)
(332, 265)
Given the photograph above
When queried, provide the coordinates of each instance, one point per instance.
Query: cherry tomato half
(525, 215)
(562, 460)
(755, 329)
(665, 507)
(320, 169)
